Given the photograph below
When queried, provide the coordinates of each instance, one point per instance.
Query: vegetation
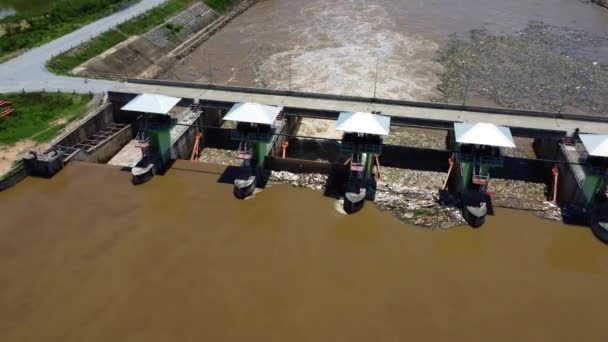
(220, 5)
(65, 62)
(33, 28)
(40, 116)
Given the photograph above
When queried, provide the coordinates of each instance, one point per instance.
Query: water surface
(86, 256)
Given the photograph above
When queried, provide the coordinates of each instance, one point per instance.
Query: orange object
(555, 183)
(451, 162)
(7, 112)
(284, 145)
(378, 167)
(195, 148)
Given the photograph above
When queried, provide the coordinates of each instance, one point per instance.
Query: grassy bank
(65, 62)
(33, 28)
(40, 116)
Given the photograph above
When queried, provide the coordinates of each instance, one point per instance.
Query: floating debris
(545, 68)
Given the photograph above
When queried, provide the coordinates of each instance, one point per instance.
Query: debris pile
(544, 67)
(314, 181)
(221, 157)
(416, 138)
(514, 194)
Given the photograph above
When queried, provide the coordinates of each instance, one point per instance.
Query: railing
(250, 136)
(485, 160)
(349, 147)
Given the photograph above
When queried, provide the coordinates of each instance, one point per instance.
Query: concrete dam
(195, 129)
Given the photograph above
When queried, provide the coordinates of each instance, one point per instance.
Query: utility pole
(209, 67)
(290, 57)
(376, 77)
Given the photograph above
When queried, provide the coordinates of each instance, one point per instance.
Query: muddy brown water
(85, 256)
(337, 46)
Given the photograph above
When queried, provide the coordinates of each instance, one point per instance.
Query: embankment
(157, 50)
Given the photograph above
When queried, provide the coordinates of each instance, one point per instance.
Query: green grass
(63, 17)
(36, 115)
(64, 63)
(220, 5)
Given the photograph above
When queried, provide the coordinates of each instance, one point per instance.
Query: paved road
(28, 71)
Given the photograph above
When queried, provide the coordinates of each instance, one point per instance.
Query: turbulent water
(86, 256)
(386, 48)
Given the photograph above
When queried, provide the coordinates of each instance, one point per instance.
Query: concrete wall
(105, 151)
(182, 149)
(298, 165)
(98, 122)
(415, 158)
(14, 176)
(569, 191)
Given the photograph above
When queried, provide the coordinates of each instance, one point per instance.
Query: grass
(36, 115)
(63, 17)
(64, 63)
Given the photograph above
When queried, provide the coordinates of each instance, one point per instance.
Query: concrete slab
(128, 156)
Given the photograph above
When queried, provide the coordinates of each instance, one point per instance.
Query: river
(337, 46)
(86, 256)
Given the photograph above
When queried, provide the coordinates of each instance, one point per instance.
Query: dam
(322, 171)
(121, 131)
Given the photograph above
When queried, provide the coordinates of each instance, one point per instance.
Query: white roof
(365, 123)
(595, 144)
(152, 103)
(483, 134)
(253, 113)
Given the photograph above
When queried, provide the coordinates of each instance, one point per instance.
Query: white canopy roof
(152, 103)
(365, 123)
(483, 134)
(253, 113)
(595, 144)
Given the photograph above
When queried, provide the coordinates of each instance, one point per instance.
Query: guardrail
(418, 104)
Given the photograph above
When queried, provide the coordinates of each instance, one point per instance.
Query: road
(28, 71)
(404, 112)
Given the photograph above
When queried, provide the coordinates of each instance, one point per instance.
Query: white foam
(339, 51)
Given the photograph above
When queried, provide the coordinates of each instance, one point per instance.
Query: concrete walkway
(402, 111)
(28, 71)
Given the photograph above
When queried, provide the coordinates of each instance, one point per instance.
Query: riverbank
(168, 36)
(38, 117)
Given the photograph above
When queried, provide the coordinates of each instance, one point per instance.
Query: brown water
(85, 256)
(337, 46)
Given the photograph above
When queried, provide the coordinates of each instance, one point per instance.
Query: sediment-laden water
(86, 256)
(401, 49)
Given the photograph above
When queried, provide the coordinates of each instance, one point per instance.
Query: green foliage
(422, 212)
(36, 115)
(65, 62)
(173, 29)
(220, 5)
(63, 17)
